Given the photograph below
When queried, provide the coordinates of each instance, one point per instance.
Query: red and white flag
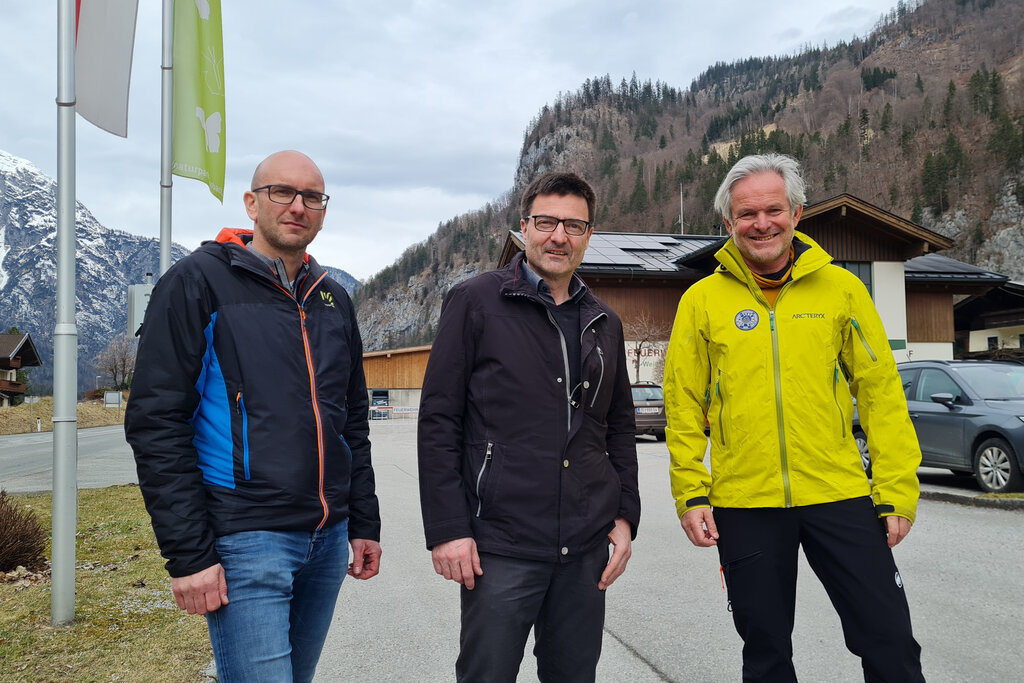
(105, 38)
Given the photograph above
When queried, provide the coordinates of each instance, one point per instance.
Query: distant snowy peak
(10, 164)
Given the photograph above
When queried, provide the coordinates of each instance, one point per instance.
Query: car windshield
(652, 393)
(995, 382)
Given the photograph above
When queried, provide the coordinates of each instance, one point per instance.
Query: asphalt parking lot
(667, 618)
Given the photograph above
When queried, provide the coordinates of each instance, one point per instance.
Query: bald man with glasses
(248, 420)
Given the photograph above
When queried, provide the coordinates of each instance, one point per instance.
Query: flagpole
(65, 335)
(166, 133)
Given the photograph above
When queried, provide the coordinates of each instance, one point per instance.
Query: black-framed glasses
(573, 226)
(282, 194)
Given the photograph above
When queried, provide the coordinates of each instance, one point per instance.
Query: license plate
(648, 411)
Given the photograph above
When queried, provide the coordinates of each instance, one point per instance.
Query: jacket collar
(235, 244)
(809, 258)
(514, 283)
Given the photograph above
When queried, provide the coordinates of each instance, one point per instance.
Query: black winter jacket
(248, 408)
(500, 459)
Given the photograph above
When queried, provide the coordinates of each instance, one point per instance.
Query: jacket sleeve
(882, 406)
(443, 500)
(687, 377)
(164, 397)
(621, 438)
(363, 506)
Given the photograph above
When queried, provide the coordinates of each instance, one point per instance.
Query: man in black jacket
(248, 419)
(527, 451)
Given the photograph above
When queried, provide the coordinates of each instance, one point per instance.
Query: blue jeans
(282, 586)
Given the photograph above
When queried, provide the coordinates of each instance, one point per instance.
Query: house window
(862, 269)
(993, 343)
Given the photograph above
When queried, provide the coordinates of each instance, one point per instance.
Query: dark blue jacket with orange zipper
(248, 408)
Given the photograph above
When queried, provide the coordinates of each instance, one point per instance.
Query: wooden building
(16, 352)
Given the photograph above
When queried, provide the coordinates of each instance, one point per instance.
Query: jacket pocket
(481, 477)
(721, 407)
(835, 399)
(240, 405)
(863, 339)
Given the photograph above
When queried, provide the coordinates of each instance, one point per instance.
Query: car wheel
(660, 435)
(995, 467)
(862, 446)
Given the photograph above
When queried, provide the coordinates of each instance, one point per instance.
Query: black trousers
(845, 546)
(560, 601)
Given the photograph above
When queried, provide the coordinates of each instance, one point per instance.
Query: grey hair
(783, 165)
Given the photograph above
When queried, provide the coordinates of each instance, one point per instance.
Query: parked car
(969, 418)
(649, 403)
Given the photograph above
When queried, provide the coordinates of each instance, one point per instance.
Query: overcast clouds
(415, 110)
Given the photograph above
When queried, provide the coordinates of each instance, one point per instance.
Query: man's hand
(896, 529)
(201, 592)
(619, 537)
(365, 558)
(457, 561)
(699, 525)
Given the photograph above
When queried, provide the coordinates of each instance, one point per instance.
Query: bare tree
(643, 329)
(117, 360)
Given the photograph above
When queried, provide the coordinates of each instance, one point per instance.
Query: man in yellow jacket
(769, 348)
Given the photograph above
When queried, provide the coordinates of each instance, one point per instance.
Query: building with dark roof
(991, 321)
(16, 352)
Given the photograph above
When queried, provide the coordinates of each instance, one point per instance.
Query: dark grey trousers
(844, 543)
(560, 601)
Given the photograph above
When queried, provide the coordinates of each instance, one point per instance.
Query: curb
(976, 501)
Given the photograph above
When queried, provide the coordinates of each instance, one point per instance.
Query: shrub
(22, 539)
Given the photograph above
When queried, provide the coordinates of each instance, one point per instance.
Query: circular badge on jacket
(746, 319)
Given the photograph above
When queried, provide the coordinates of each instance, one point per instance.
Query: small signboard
(111, 399)
(138, 300)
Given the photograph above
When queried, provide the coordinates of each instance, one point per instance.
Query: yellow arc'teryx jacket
(776, 387)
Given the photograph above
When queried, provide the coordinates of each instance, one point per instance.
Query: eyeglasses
(573, 226)
(282, 194)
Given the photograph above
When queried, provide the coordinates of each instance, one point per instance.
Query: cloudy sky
(414, 109)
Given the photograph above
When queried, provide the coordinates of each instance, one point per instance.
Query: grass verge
(1005, 496)
(22, 419)
(126, 628)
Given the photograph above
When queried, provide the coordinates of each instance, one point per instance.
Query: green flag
(199, 94)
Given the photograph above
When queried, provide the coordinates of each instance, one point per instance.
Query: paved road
(667, 617)
(104, 459)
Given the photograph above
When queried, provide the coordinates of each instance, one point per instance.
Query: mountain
(924, 118)
(106, 263)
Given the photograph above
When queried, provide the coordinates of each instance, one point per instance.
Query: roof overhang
(914, 239)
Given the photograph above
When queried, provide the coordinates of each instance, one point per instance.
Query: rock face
(106, 263)
(409, 312)
(1003, 252)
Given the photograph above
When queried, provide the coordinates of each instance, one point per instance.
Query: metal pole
(166, 133)
(682, 228)
(65, 335)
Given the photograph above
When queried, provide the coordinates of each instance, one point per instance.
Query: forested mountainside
(924, 118)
